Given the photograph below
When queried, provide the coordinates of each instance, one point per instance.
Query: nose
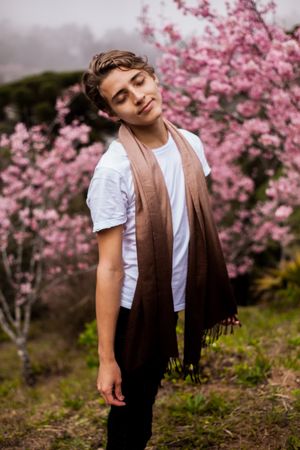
(138, 96)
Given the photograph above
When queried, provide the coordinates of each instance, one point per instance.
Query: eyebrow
(123, 89)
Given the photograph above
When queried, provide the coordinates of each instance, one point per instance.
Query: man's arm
(108, 291)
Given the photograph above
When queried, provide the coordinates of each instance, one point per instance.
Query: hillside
(249, 397)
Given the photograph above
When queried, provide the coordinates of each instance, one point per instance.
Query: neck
(154, 135)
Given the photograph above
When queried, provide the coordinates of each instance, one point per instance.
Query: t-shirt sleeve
(197, 145)
(107, 199)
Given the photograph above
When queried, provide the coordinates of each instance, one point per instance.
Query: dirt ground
(249, 397)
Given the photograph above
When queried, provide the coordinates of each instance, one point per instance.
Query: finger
(111, 400)
(237, 322)
(118, 392)
(236, 319)
(105, 393)
(233, 320)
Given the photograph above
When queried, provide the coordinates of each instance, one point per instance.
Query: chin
(155, 115)
(148, 119)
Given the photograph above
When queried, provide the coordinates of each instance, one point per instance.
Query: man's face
(133, 96)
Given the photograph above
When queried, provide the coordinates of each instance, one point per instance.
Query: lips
(145, 107)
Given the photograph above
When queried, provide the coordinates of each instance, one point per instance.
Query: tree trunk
(27, 372)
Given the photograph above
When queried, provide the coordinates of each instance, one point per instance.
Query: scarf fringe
(209, 336)
(175, 366)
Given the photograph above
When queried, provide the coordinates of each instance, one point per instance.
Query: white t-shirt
(111, 200)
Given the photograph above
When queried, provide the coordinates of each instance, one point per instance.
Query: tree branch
(6, 328)
(7, 269)
(6, 309)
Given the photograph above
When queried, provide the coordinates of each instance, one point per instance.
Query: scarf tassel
(209, 336)
(212, 334)
(175, 366)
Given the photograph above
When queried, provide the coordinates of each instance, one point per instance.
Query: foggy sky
(38, 35)
(103, 15)
(99, 15)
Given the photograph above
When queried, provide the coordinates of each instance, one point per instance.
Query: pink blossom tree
(237, 85)
(44, 237)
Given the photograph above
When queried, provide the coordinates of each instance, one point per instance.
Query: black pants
(130, 427)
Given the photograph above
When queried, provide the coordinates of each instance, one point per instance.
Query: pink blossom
(240, 77)
(37, 189)
(25, 288)
(248, 108)
(220, 88)
(4, 140)
(283, 212)
(269, 139)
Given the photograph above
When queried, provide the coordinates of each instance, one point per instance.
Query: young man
(159, 251)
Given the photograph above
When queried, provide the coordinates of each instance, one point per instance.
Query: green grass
(254, 373)
(249, 397)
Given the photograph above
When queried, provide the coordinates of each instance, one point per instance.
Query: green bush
(296, 402)
(22, 96)
(33, 99)
(48, 91)
(281, 284)
(293, 443)
(43, 112)
(89, 340)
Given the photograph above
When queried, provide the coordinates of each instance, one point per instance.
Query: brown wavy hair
(100, 66)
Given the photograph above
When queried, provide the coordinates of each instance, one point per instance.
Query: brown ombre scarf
(209, 301)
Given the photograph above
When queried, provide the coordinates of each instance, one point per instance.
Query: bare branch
(260, 19)
(18, 316)
(20, 245)
(6, 328)
(6, 309)
(7, 269)
(27, 316)
(33, 252)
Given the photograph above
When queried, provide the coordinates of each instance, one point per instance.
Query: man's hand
(109, 383)
(233, 320)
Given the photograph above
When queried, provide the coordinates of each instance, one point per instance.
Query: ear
(108, 116)
(113, 118)
(156, 79)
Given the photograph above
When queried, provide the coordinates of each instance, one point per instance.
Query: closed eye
(120, 100)
(140, 81)
(122, 96)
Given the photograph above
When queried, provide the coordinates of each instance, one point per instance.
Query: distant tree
(32, 101)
